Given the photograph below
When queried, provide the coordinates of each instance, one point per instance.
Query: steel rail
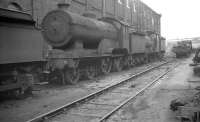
(103, 119)
(63, 108)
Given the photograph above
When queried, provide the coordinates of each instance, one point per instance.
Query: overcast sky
(180, 18)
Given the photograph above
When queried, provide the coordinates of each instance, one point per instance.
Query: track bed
(94, 108)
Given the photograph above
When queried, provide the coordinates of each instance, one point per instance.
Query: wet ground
(153, 106)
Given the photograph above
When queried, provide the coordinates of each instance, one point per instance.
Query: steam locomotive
(85, 46)
(68, 47)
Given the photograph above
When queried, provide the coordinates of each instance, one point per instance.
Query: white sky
(180, 18)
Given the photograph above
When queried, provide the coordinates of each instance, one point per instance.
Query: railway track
(99, 106)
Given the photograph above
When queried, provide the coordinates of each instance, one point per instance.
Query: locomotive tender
(22, 51)
(73, 46)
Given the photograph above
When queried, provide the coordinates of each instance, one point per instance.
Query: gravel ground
(153, 106)
(51, 97)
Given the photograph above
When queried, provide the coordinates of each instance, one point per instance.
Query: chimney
(63, 6)
(89, 14)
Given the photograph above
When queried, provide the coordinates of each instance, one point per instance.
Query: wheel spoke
(117, 65)
(71, 75)
(56, 77)
(106, 66)
(90, 72)
(129, 62)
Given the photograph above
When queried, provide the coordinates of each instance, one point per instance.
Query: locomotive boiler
(62, 28)
(83, 47)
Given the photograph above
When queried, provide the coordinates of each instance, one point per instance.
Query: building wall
(134, 12)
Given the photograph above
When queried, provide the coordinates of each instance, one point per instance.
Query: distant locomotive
(183, 49)
(85, 46)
